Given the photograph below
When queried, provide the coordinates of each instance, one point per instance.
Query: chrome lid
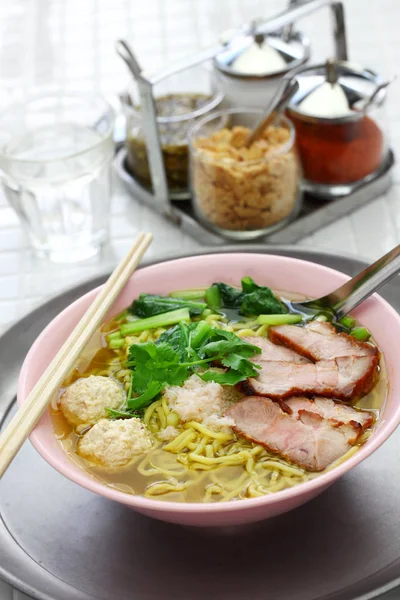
(294, 52)
(355, 82)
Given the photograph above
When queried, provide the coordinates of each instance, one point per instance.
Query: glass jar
(339, 150)
(243, 193)
(181, 100)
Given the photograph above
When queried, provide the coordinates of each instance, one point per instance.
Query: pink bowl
(278, 272)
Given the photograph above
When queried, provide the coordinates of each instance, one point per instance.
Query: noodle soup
(195, 454)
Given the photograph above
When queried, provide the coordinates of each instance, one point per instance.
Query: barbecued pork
(320, 341)
(344, 378)
(328, 409)
(270, 351)
(307, 440)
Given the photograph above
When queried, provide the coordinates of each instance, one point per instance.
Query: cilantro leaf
(227, 378)
(153, 389)
(240, 364)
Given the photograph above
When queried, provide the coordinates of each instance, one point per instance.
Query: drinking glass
(55, 165)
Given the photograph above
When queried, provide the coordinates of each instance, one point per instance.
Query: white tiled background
(69, 44)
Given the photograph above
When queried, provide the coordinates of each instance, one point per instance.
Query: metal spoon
(359, 288)
(365, 104)
(124, 50)
(285, 92)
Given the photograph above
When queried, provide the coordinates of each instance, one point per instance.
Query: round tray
(59, 541)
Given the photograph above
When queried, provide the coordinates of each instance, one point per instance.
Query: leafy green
(258, 300)
(149, 305)
(231, 297)
(252, 299)
(152, 391)
(154, 362)
(181, 351)
(178, 338)
(228, 378)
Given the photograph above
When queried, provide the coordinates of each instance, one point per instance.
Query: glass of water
(55, 164)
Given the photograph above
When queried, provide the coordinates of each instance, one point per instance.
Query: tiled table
(54, 44)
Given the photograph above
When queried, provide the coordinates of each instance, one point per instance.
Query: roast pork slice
(309, 441)
(320, 341)
(328, 409)
(270, 351)
(344, 378)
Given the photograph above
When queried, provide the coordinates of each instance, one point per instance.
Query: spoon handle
(353, 292)
(285, 92)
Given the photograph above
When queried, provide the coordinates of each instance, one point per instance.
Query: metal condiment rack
(180, 212)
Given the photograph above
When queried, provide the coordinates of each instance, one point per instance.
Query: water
(57, 179)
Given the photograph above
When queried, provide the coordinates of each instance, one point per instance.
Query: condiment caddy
(242, 206)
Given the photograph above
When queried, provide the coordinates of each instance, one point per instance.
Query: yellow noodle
(165, 407)
(149, 412)
(162, 417)
(239, 457)
(201, 445)
(274, 464)
(209, 452)
(206, 431)
(180, 441)
(245, 333)
(156, 489)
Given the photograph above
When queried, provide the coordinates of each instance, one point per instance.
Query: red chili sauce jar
(338, 143)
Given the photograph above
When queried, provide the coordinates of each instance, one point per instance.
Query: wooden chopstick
(38, 399)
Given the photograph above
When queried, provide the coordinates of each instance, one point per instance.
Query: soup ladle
(349, 295)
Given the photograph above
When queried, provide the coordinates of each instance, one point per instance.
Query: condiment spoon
(285, 92)
(356, 290)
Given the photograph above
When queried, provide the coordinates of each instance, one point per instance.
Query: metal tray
(60, 542)
(314, 214)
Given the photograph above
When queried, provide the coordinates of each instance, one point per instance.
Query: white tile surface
(53, 44)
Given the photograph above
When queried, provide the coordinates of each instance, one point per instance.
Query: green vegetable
(213, 297)
(162, 320)
(116, 343)
(119, 414)
(361, 334)
(348, 322)
(114, 335)
(279, 319)
(197, 294)
(259, 300)
(252, 299)
(200, 333)
(153, 389)
(149, 305)
(179, 352)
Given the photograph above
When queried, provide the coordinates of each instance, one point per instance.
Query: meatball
(115, 443)
(86, 399)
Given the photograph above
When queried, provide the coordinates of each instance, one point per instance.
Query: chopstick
(38, 399)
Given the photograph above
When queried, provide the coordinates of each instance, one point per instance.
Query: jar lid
(334, 92)
(259, 56)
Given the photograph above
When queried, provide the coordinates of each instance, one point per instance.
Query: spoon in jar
(349, 295)
(284, 94)
(364, 105)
